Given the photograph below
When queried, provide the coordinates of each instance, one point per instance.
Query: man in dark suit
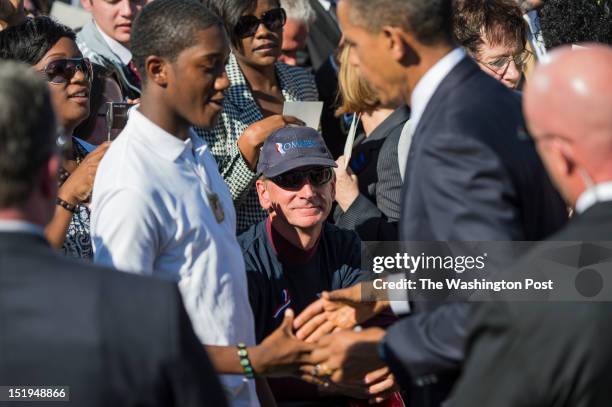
(114, 339)
(472, 172)
(555, 353)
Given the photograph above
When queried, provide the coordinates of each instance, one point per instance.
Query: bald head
(568, 106)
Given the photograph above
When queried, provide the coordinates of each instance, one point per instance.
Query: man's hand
(347, 185)
(346, 357)
(281, 353)
(340, 309)
(254, 136)
(77, 188)
(377, 386)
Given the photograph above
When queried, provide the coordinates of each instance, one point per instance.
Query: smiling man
(294, 255)
(105, 40)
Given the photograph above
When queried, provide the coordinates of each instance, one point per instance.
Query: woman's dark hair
(230, 12)
(500, 22)
(100, 75)
(29, 41)
(574, 21)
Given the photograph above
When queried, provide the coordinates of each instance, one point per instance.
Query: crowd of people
(208, 251)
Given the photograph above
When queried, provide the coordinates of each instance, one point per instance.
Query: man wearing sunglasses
(294, 254)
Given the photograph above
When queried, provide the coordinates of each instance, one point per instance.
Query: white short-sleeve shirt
(152, 215)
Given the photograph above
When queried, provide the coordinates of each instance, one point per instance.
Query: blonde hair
(356, 95)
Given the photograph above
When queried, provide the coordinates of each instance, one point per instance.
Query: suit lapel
(457, 75)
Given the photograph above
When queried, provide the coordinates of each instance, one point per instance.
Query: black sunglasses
(61, 71)
(273, 20)
(296, 179)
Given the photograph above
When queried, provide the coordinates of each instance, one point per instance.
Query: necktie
(134, 71)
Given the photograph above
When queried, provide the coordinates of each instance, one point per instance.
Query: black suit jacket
(472, 175)
(542, 354)
(116, 339)
(376, 211)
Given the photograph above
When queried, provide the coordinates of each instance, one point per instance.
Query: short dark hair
(29, 41)
(429, 20)
(27, 131)
(165, 28)
(574, 21)
(230, 12)
(500, 22)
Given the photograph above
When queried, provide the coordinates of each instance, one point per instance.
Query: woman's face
(265, 46)
(112, 93)
(69, 93)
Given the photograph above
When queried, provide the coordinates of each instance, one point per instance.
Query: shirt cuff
(398, 299)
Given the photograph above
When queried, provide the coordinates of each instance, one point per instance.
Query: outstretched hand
(335, 310)
(281, 353)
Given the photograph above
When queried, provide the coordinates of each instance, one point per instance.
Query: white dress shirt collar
(124, 54)
(21, 226)
(429, 83)
(325, 4)
(163, 143)
(598, 193)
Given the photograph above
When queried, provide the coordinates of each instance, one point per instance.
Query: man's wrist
(258, 360)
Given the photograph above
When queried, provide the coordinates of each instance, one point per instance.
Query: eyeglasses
(273, 20)
(501, 64)
(61, 71)
(296, 179)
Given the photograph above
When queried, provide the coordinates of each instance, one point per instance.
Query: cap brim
(289, 165)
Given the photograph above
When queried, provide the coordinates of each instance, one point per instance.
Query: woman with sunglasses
(50, 49)
(254, 102)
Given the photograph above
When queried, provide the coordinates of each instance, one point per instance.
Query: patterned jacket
(240, 111)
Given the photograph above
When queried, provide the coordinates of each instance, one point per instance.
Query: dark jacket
(472, 175)
(115, 339)
(545, 354)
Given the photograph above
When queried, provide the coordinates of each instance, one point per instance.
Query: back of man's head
(430, 21)
(568, 105)
(299, 10)
(27, 132)
(165, 28)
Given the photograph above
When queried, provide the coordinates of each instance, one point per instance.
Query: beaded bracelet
(243, 354)
(69, 207)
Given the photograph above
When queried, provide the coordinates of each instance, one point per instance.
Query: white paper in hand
(308, 112)
(350, 140)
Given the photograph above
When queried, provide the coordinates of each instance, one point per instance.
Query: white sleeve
(125, 231)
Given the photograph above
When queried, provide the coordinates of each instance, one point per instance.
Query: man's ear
(333, 187)
(87, 4)
(157, 70)
(565, 161)
(263, 194)
(399, 44)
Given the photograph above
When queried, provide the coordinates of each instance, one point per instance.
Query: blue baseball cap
(289, 148)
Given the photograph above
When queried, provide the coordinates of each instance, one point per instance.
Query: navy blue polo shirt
(278, 282)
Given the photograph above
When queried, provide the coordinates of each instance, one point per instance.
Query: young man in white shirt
(161, 208)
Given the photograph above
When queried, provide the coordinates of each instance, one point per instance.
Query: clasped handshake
(324, 345)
